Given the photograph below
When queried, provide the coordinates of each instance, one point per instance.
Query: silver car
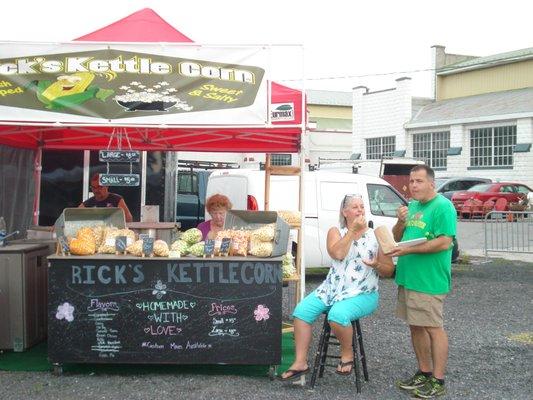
(448, 186)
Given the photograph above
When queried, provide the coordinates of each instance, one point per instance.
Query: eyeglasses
(350, 196)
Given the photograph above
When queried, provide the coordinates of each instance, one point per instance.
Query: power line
(360, 76)
(444, 69)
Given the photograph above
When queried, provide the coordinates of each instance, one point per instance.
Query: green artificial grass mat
(36, 359)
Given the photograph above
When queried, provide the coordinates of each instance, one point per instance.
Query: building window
(281, 159)
(380, 147)
(432, 147)
(492, 147)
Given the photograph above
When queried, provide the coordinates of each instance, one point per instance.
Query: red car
(511, 191)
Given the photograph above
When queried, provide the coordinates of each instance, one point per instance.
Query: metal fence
(508, 231)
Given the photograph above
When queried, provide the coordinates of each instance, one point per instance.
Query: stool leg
(318, 356)
(361, 349)
(356, 360)
(327, 335)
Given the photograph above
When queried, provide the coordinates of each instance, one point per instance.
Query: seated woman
(217, 205)
(350, 290)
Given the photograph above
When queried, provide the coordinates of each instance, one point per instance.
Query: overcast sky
(345, 38)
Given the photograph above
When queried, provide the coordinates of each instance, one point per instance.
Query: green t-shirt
(428, 272)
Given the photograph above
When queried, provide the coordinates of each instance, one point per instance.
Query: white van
(323, 193)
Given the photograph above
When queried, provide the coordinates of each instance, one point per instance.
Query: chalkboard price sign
(148, 246)
(123, 156)
(224, 246)
(209, 248)
(119, 179)
(150, 310)
(121, 242)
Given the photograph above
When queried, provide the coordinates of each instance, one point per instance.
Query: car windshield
(482, 187)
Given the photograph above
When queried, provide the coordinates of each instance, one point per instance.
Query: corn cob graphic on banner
(68, 91)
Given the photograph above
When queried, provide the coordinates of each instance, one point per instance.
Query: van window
(332, 193)
(383, 200)
(187, 183)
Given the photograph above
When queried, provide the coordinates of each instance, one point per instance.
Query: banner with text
(134, 83)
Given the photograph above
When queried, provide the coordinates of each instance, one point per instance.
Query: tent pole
(37, 169)
(303, 151)
(143, 178)
(86, 177)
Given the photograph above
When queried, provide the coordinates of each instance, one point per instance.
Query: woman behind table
(217, 206)
(350, 290)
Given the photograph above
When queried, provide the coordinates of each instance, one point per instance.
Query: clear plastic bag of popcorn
(293, 218)
(239, 242)
(261, 249)
(136, 248)
(265, 233)
(108, 244)
(161, 248)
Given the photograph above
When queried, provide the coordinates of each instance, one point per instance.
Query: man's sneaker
(416, 381)
(432, 388)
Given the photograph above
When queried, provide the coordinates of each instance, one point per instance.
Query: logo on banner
(282, 112)
(115, 84)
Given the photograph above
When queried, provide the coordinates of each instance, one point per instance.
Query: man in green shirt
(423, 275)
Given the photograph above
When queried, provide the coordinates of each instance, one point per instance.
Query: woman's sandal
(294, 374)
(343, 364)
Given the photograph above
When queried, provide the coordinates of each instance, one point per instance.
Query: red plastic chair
(501, 204)
(470, 208)
(488, 206)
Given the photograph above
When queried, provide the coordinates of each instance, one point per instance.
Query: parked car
(447, 186)
(191, 197)
(513, 192)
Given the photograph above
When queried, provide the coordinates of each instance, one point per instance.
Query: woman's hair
(344, 204)
(217, 201)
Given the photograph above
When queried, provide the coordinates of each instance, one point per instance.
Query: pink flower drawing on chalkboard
(65, 311)
(261, 313)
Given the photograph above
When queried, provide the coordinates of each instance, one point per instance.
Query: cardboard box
(236, 219)
(149, 213)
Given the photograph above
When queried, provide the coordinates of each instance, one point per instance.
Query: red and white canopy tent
(146, 26)
(55, 132)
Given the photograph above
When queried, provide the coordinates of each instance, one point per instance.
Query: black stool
(327, 338)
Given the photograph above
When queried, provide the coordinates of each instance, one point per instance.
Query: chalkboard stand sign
(147, 247)
(120, 244)
(209, 248)
(133, 310)
(225, 247)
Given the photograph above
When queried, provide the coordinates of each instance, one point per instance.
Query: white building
(481, 123)
(379, 119)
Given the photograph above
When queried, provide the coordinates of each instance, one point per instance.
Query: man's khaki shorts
(420, 309)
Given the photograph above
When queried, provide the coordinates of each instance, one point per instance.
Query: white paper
(412, 242)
